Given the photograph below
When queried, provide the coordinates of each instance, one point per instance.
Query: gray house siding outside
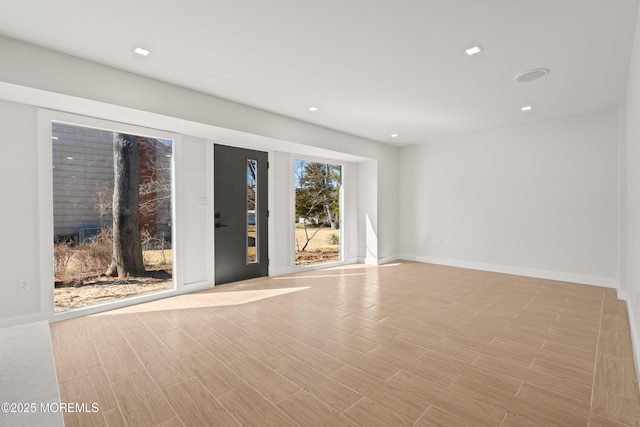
(82, 161)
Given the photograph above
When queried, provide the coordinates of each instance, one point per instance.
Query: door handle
(218, 224)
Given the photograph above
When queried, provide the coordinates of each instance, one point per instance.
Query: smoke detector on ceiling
(531, 75)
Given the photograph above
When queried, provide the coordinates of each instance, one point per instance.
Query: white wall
(387, 192)
(196, 199)
(19, 251)
(350, 234)
(368, 226)
(631, 282)
(281, 214)
(538, 200)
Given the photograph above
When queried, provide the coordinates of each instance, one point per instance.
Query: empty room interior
(332, 213)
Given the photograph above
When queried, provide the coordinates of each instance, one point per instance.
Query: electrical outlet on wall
(24, 285)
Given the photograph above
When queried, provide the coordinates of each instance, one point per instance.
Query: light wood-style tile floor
(399, 344)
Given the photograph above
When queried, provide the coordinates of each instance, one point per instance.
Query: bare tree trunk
(127, 244)
(327, 200)
(332, 221)
(306, 234)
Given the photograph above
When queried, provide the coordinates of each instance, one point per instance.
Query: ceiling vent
(531, 75)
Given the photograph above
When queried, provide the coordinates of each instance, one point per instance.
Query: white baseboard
(378, 261)
(352, 261)
(388, 259)
(519, 271)
(273, 272)
(15, 321)
(635, 339)
(282, 271)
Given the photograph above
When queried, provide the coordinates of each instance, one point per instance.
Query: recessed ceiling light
(531, 75)
(142, 51)
(54, 137)
(473, 50)
(69, 158)
(526, 108)
(314, 109)
(394, 135)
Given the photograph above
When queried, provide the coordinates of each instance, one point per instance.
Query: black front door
(241, 214)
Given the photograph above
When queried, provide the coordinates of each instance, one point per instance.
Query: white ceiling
(372, 67)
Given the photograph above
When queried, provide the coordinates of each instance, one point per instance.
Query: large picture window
(112, 215)
(317, 212)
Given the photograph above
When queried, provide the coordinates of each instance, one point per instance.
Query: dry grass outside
(81, 283)
(157, 257)
(105, 289)
(323, 247)
(317, 257)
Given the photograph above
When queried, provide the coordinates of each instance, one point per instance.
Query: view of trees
(318, 193)
(317, 202)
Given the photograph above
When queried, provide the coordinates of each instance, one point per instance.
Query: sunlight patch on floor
(205, 299)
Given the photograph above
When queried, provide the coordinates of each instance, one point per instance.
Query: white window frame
(292, 204)
(45, 119)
